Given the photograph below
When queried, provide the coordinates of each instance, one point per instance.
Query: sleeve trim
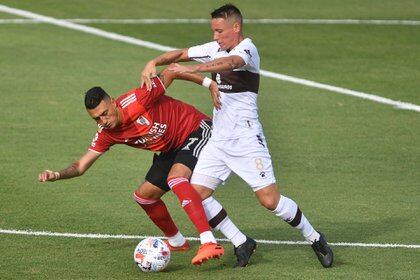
(95, 151)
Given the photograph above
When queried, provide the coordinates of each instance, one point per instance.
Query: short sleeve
(203, 53)
(244, 50)
(248, 52)
(100, 143)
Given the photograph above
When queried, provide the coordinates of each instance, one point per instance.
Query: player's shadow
(341, 231)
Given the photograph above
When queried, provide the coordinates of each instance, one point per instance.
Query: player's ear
(236, 27)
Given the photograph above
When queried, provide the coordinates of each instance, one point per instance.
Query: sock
(177, 240)
(288, 210)
(158, 213)
(207, 237)
(219, 220)
(190, 201)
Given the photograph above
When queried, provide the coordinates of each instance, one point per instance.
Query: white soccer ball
(152, 255)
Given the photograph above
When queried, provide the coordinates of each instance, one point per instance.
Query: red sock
(190, 201)
(158, 213)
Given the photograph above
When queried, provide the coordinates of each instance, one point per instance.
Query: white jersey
(238, 89)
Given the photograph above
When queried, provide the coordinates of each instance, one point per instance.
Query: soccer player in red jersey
(150, 120)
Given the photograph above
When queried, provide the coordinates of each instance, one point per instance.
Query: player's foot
(183, 247)
(323, 252)
(208, 251)
(244, 251)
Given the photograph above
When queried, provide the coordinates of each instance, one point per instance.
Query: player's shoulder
(124, 100)
(248, 51)
(209, 46)
(247, 43)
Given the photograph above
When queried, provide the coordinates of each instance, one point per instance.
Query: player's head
(226, 23)
(102, 108)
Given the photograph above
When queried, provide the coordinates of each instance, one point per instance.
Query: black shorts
(187, 154)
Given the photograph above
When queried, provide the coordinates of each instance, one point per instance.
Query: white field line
(138, 237)
(151, 45)
(206, 21)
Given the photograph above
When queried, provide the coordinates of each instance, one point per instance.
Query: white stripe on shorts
(205, 135)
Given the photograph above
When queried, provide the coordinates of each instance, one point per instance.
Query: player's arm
(167, 77)
(74, 170)
(218, 65)
(167, 58)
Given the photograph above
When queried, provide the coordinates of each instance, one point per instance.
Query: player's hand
(175, 67)
(48, 175)
(148, 73)
(215, 95)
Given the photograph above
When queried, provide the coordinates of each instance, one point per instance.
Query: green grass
(351, 164)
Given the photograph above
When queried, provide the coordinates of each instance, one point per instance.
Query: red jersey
(150, 121)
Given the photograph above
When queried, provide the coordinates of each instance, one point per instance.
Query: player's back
(151, 121)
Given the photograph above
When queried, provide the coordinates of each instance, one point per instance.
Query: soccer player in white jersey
(237, 143)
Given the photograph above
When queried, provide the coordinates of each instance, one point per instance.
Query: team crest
(142, 121)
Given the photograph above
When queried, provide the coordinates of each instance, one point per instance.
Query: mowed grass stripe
(148, 44)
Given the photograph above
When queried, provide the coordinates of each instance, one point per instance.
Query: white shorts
(248, 157)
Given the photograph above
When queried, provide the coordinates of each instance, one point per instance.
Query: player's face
(226, 32)
(106, 114)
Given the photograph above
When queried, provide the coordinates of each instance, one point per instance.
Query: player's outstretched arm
(218, 65)
(74, 170)
(167, 77)
(149, 70)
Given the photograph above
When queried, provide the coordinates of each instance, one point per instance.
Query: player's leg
(148, 197)
(289, 211)
(205, 184)
(178, 180)
(154, 188)
(256, 169)
(192, 204)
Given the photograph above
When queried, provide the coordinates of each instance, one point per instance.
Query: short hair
(94, 96)
(227, 11)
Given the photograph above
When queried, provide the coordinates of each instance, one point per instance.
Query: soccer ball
(152, 255)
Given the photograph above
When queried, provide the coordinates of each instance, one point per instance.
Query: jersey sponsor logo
(128, 100)
(218, 80)
(228, 87)
(142, 121)
(155, 132)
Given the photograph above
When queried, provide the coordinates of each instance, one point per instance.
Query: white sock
(288, 210)
(177, 240)
(207, 237)
(212, 207)
(228, 229)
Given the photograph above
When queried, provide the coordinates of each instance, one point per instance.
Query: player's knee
(148, 191)
(269, 197)
(179, 170)
(269, 203)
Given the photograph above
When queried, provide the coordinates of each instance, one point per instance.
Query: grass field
(351, 164)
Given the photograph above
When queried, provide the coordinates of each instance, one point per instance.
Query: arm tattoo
(69, 172)
(168, 58)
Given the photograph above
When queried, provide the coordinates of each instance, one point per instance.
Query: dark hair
(94, 96)
(227, 11)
